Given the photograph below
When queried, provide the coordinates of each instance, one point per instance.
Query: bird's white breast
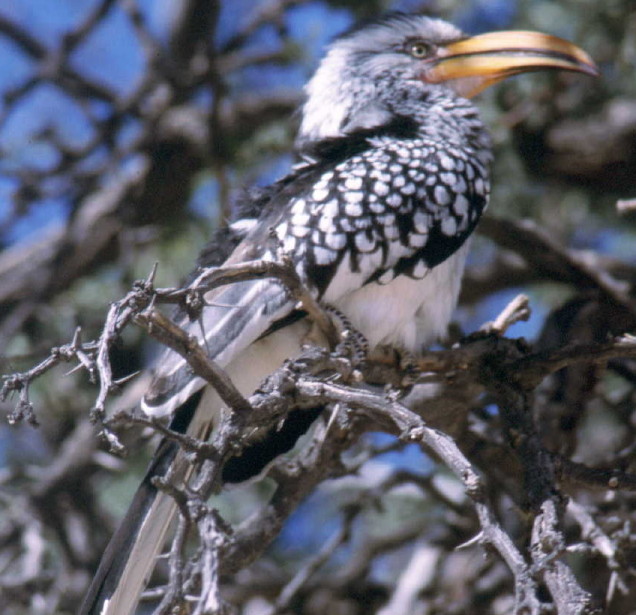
(407, 313)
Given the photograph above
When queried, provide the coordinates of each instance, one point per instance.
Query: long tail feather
(130, 557)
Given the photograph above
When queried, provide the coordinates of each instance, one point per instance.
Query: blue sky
(113, 57)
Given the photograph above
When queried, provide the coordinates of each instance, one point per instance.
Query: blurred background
(127, 129)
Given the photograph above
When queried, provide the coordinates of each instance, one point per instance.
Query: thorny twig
(386, 411)
(514, 364)
(138, 306)
(603, 544)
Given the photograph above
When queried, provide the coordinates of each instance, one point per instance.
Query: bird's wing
(238, 314)
(372, 206)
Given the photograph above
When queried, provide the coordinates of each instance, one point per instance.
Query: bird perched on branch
(393, 178)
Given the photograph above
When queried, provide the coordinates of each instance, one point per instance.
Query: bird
(376, 216)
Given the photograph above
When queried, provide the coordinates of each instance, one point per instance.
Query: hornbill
(392, 178)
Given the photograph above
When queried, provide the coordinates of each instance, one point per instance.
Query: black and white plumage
(392, 181)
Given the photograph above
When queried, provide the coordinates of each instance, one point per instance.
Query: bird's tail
(130, 557)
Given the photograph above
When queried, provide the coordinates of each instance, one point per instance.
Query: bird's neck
(436, 114)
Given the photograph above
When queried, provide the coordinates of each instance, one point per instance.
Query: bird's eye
(419, 49)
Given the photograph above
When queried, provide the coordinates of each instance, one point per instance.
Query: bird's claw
(353, 344)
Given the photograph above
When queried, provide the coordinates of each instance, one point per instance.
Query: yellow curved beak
(474, 63)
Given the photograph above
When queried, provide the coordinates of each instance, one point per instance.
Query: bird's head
(368, 69)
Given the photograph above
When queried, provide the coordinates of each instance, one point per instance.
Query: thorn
(203, 336)
(150, 280)
(126, 379)
(611, 587)
(87, 363)
(151, 303)
(71, 371)
(471, 542)
(77, 338)
(332, 418)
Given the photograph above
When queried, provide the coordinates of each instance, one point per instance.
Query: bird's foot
(353, 344)
(403, 361)
(408, 361)
(409, 366)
